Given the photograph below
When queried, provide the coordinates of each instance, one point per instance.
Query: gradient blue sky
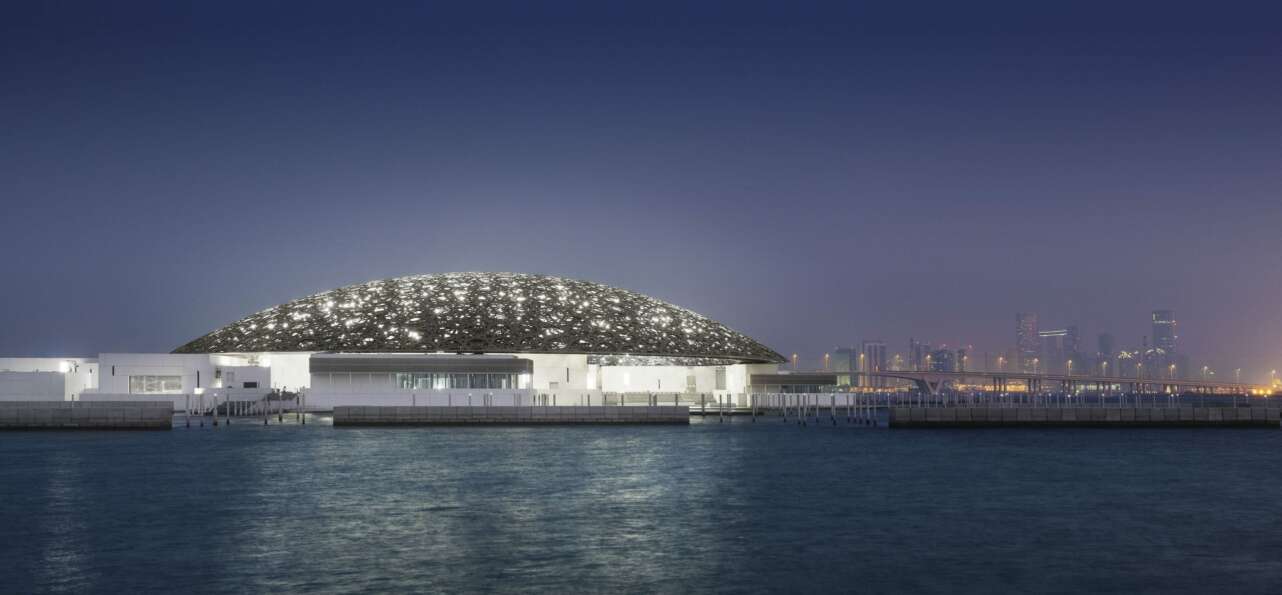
(811, 175)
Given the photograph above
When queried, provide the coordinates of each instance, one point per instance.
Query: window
(251, 385)
(721, 377)
(155, 385)
(446, 381)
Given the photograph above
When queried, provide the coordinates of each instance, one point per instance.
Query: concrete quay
(508, 415)
(1108, 417)
(79, 415)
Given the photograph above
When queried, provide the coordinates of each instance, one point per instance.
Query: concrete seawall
(508, 415)
(77, 415)
(1109, 417)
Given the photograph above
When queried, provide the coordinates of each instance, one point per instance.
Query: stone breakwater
(1109, 417)
(82, 415)
(508, 415)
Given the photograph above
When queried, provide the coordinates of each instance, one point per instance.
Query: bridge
(932, 382)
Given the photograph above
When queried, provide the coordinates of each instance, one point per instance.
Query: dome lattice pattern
(483, 313)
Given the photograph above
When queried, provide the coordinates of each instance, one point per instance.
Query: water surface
(710, 507)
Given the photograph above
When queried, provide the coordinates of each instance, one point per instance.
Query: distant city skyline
(1033, 349)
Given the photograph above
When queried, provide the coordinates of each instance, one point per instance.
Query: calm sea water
(741, 507)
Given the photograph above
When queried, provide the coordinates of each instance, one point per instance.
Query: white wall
(114, 370)
(32, 386)
(669, 379)
(322, 400)
(79, 374)
(549, 369)
(290, 371)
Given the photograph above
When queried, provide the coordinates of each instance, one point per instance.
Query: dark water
(710, 507)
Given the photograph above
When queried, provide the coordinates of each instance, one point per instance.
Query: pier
(510, 415)
(1113, 417)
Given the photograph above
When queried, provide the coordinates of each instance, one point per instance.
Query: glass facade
(445, 381)
(155, 385)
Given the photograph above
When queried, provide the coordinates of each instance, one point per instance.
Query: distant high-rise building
(873, 359)
(1104, 354)
(1058, 347)
(1104, 345)
(917, 353)
(843, 360)
(843, 363)
(1027, 343)
(942, 360)
(962, 359)
(1072, 341)
(1164, 334)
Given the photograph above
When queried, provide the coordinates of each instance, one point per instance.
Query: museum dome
(486, 313)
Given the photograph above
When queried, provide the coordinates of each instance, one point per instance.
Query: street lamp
(1170, 372)
(794, 362)
(1237, 375)
(1036, 365)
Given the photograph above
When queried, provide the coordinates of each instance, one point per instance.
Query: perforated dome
(484, 313)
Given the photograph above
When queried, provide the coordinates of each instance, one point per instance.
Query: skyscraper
(1104, 345)
(1104, 354)
(942, 360)
(873, 360)
(1027, 343)
(1164, 330)
(917, 352)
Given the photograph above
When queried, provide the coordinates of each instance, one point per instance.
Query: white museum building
(429, 339)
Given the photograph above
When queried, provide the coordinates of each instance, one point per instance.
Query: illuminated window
(155, 385)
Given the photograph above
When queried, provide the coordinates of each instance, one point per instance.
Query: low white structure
(497, 337)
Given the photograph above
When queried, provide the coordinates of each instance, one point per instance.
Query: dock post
(187, 411)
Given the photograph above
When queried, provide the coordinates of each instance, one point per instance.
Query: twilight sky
(811, 176)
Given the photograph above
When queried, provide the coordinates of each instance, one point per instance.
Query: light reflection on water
(745, 507)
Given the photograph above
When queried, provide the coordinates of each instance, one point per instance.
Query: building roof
(484, 313)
